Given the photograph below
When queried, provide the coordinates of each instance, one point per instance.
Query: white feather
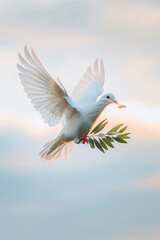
(48, 97)
(90, 87)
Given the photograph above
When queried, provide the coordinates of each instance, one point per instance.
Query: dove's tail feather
(57, 149)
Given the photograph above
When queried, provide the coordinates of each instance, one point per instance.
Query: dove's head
(109, 98)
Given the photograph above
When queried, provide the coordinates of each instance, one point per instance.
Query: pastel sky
(111, 196)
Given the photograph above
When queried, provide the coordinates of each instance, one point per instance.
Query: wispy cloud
(133, 18)
(51, 15)
(151, 182)
(30, 124)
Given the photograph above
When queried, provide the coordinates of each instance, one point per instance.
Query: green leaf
(123, 129)
(103, 144)
(110, 139)
(108, 142)
(114, 129)
(120, 140)
(113, 133)
(91, 143)
(98, 145)
(96, 127)
(100, 127)
(101, 135)
(103, 141)
(125, 136)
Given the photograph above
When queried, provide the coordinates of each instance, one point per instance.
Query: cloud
(7, 58)
(131, 17)
(138, 66)
(90, 203)
(57, 23)
(151, 182)
(52, 15)
(31, 124)
(138, 70)
(56, 38)
(142, 119)
(138, 18)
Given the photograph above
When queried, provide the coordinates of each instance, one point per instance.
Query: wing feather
(48, 96)
(90, 86)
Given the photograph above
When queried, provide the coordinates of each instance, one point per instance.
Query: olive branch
(103, 141)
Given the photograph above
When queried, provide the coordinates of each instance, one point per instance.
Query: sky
(90, 195)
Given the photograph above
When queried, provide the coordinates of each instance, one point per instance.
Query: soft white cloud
(53, 15)
(142, 119)
(137, 66)
(131, 17)
(138, 72)
(31, 124)
(151, 182)
(56, 38)
(7, 58)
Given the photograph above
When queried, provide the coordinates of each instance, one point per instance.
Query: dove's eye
(108, 96)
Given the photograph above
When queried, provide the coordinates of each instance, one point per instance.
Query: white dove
(54, 104)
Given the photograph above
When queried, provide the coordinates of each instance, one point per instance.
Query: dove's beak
(115, 101)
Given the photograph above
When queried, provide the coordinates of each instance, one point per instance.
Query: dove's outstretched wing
(48, 97)
(90, 87)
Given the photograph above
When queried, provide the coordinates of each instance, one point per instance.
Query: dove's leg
(84, 139)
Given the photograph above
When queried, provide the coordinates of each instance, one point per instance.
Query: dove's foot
(84, 139)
